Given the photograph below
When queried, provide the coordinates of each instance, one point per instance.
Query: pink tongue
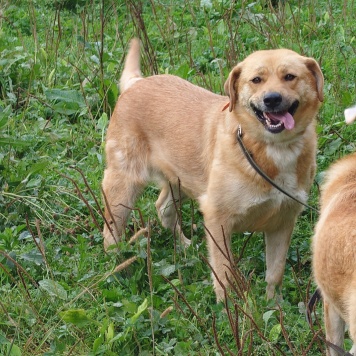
(286, 118)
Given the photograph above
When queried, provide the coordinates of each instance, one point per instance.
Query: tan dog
(169, 131)
(334, 248)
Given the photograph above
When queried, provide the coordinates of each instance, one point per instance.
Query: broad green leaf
(53, 288)
(168, 270)
(267, 315)
(102, 124)
(333, 147)
(140, 310)
(120, 336)
(15, 350)
(66, 108)
(35, 182)
(33, 256)
(275, 332)
(36, 168)
(67, 96)
(183, 71)
(95, 59)
(3, 340)
(77, 317)
(110, 332)
(13, 142)
(4, 115)
(3, 120)
(97, 343)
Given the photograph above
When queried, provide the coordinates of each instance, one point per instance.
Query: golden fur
(178, 135)
(334, 251)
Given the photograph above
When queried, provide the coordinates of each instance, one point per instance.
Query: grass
(61, 294)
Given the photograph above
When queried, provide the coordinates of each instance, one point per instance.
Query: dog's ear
(231, 87)
(314, 67)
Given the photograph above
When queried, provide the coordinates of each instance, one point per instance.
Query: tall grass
(61, 294)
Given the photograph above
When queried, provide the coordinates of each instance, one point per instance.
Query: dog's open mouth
(277, 121)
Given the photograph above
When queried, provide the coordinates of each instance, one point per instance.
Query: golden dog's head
(279, 88)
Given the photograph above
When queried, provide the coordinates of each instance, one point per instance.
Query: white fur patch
(121, 159)
(285, 158)
(135, 168)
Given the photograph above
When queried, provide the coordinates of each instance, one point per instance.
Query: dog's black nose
(272, 99)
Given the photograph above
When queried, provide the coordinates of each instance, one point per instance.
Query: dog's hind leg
(124, 179)
(120, 194)
(167, 205)
(334, 327)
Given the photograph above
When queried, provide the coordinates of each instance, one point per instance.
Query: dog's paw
(185, 241)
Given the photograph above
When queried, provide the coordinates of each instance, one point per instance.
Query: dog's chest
(274, 201)
(286, 162)
(254, 202)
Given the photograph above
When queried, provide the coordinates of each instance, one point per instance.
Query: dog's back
(334, 249)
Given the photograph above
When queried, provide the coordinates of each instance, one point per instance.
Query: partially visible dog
(350, 115)
(334, 248)
(182, 137)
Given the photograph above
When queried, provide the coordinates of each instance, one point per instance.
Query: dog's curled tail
(131, 72)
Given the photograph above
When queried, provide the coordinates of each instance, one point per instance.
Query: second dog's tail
(131, 72)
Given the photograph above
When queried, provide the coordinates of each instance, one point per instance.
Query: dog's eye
(289, 77)
(256, 80)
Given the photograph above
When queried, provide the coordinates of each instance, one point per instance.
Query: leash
(263, 174)
(315, 298)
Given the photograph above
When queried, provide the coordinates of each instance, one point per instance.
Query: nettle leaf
(53, 288)
(66, 108)
(95, 59)
(168, 270)
(66, 96)
(333, 147)
(77, 317)
(67, 102)
(33, 257)
(267, 315)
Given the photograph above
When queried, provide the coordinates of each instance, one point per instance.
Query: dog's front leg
(221, 260)
(277, 244)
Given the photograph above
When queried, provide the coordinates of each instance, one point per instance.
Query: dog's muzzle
(273, 114)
